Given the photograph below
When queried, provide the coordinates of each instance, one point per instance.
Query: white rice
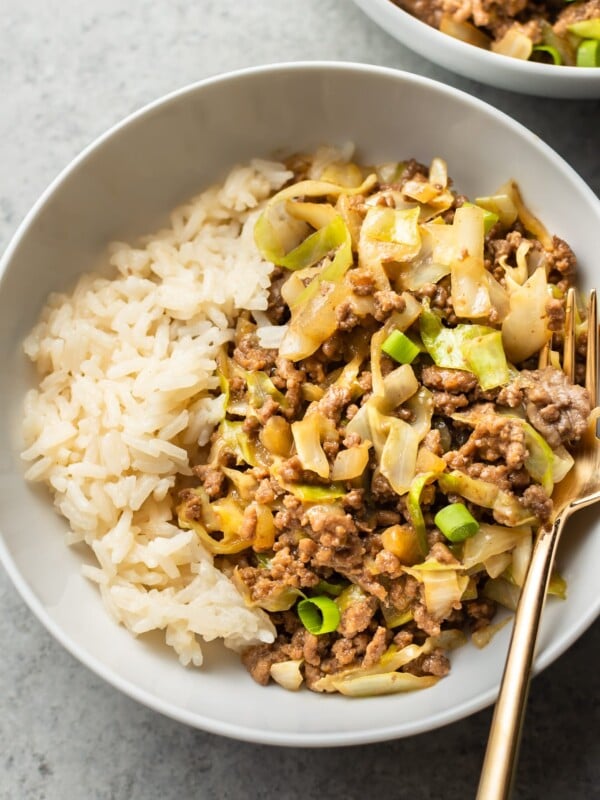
(126, 368)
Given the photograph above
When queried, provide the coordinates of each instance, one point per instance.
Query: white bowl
(482, 65)
(124, 185)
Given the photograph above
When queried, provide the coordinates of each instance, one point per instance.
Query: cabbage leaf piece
(475, 348)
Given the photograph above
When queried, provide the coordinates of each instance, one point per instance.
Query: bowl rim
(243, 732)
(460, 49)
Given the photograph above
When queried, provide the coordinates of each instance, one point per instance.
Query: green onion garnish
(588, 53)
(456, 522)
(549, 50)
(400, 348)
(319, 614)
(586, 28)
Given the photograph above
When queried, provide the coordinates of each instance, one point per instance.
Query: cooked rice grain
(126, 369)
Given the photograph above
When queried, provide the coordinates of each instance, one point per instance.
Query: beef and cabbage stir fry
(558, 32)
(389, 442)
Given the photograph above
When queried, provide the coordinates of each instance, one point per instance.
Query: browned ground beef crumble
(343, 542)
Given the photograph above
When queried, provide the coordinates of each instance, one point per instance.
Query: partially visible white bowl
(124, 185)
(482, 65)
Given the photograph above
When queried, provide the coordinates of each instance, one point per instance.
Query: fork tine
(591, 364)
(569, 345)
(544, 355)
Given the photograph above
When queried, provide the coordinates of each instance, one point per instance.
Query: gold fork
(580, 488)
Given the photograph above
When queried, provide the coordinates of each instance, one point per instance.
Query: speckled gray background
(69, 70)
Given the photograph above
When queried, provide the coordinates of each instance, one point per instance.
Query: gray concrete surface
(68, 70)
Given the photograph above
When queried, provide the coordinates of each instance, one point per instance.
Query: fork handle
(499, 765)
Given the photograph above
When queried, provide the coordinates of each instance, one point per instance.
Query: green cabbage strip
(276, 227)
(313, 310)
(237, 440)
(332, 272)
(506, 508)
(309, 252)
(281, 599)
(413, 506)
(485, 357)
(475, 348)
(261, 387)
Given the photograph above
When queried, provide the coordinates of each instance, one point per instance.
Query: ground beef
(439, 296)
(287, 377)
(555, 309)
(496, 438)
(480, 612)
(386, 302)
(357, 616)
(363, 282)
(536, 499)
(376, 648)
(404, 591)
(560, 257)
(502, 476)
(333, 402)
(345, 316)
(381, 489)
(555, 407)
(251, 356)
(440, 552)
(424, 620)
(213, 480)
(267, 410)
(259, 659)
(510, 395)
(354, 500)
(447, 404)
(248, 527)
(434, 663)
(332, 528)
(454, 381)
(277, 309)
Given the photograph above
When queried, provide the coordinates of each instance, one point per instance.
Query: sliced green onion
(400, 347)
(551, 51)
(586, 28)
(456, 522)
(319, 614)
(588, 53)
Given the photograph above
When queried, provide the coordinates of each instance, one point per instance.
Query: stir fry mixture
(550, 31)
(390, 442)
